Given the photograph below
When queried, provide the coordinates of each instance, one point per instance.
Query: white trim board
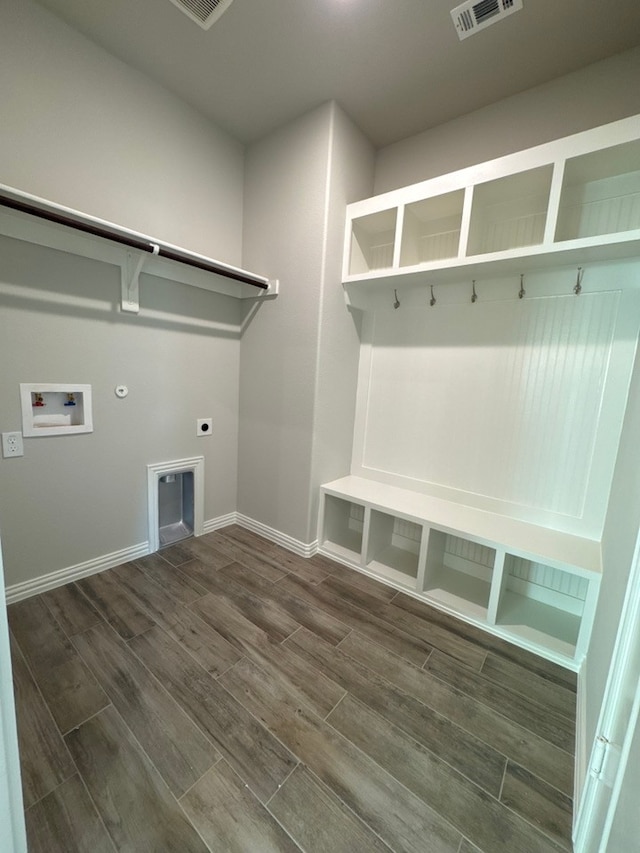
(283, 539)
(35, 586)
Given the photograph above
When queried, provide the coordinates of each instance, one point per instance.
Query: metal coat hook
(396, 304)
(522, 292)
(474, 295)
(578, 285)
(432, 301)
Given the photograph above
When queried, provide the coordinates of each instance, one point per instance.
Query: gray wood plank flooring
(227, 695)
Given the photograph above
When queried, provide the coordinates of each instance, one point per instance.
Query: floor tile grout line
(440, 714)
(155, 583)
(337, 645)
(434, 711)
(520, 816)
(155, 679)
(300, 628)
(200, 778)
(259, 722)
(192, 824)
(345, 620)
(504, 777)
(91, 716)
(97, 811)
(141, 748)
(54, 789)
(156, 624)
(69, 636)
(39, 691)
(166, 689)
(516, 691)
(243, 657)
(300, 600)
(486, 643)
(284, 781)
(499, 752)
(449, 767)
(407, 734)
(444, 681)
(323, 785)
(404, 630)
(338, 703)
(491, 708)
(345, 638)
(539, 828)
(255, 555)
(395, 778)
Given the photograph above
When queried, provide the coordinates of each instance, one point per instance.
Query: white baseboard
(18, 591)
(222, 521)
(295, 545)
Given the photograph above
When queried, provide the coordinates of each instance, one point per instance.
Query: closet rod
(141, 243)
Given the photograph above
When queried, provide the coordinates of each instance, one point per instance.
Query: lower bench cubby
(393, 548)
(519, 581)
(542, 604)
(343, 527)
(458, 573)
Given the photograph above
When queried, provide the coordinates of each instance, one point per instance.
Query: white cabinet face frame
(536, 602)
(598, 167)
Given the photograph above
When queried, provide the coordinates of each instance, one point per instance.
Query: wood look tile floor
(226, 695)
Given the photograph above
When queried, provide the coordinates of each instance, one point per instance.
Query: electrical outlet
(12, 444)
(204, 426)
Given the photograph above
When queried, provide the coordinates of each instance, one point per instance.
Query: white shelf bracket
(130, 271)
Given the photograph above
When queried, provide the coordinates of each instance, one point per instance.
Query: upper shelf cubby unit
(600, 193)
(510, 212)
(431, 229)
(568, 201)
(372, 241)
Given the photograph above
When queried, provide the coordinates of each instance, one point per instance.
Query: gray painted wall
(297, 383)
(285, 187)
(600, 93)
(83, 129)
(350, 178)
(71, 499)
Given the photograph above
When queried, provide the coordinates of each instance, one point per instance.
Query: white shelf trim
(175, 266)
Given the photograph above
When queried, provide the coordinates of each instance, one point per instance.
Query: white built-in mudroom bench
(529, 584)
(500, 311)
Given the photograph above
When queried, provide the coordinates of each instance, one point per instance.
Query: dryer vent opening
(175, 507)
(175, 492)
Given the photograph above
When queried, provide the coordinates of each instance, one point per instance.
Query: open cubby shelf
(528, 584)
(569, 200)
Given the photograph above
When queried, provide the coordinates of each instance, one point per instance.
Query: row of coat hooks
(577, 289)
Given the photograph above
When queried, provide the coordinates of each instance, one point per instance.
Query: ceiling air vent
(471, 17)
(203, 12)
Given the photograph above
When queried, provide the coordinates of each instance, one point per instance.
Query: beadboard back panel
(509, 405)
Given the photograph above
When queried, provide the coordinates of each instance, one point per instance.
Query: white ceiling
(396, 66)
